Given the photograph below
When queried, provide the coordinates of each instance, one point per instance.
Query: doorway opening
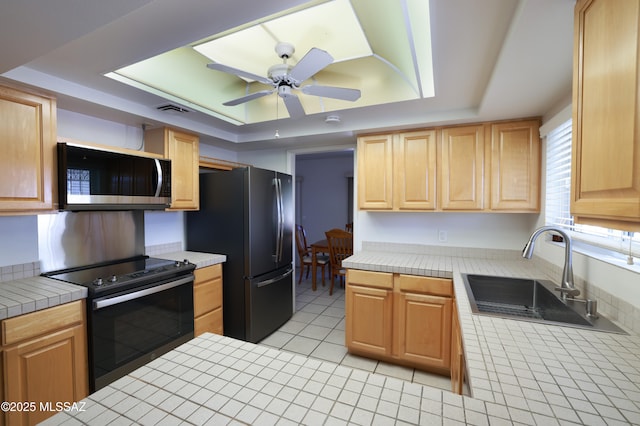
(324, 191)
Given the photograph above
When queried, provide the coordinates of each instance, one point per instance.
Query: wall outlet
(442, 236)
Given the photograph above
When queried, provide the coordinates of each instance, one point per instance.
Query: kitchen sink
(529, 300)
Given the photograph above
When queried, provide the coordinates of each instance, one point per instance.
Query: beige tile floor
(316, 330)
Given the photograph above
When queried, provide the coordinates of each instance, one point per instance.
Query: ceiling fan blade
(248, 98)
(294, 106)
(239, 73)
(332, 92)
(315, 60)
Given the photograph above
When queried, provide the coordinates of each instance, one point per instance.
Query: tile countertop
(527, 372)
(31, 294)
(519, 373)
(18, 297)
(200, 259)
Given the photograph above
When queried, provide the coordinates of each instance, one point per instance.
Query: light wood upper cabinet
(479, 167)
(606, 114)
(462, 159)
(28, 143)
(515, 166)
(414, 170)
(375, 172)
(184, 152)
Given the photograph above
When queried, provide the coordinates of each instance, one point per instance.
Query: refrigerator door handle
(273, 280)
(280, 212)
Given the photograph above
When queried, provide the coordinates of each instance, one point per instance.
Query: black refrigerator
(247, 215)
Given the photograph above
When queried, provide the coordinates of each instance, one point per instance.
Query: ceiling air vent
(172, 108)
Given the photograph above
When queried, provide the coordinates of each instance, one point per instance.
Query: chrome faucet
(567, 287)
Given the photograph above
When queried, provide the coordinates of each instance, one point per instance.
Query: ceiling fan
(285, 79)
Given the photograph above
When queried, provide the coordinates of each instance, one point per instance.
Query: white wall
(323, 192)
(90, 129)
(18, 240)
(490, 230)
(277, 160)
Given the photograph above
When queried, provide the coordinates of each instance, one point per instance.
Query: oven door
(129, 329)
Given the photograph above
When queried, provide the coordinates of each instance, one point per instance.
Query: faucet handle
(572, 292)
(592, 308)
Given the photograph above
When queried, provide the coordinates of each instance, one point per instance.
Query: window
(558, 196)
(78, 182)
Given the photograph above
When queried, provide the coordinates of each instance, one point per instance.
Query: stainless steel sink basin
(529, 300)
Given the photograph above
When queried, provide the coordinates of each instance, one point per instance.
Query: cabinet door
(368, 320)
(414, 176)
(606, 114)
(210, 322)
(375, 166)
(184, 152)
(462, 168)
(457, 354)
(27, 141)
(207, 300)
(52, 368)
(422, 329)
(515, 166)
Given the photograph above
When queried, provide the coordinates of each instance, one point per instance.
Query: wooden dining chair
(306, 256)
(340, 247)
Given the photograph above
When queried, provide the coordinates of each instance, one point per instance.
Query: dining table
(321, 246)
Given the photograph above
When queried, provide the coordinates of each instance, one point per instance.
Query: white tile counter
(519, 373)
(26, 295)
(200, 259)
(528, 372)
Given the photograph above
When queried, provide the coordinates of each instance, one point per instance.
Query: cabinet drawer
(207, 296)
(426, 285)
(208, 273)
(37, 323)
(370, 279)
(211, 322)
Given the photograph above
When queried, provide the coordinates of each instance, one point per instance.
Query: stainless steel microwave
(96, 179)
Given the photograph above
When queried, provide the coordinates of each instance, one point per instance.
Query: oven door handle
(110, 301)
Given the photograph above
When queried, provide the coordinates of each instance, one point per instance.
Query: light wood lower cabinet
(422, 320)
(403, 319)
(207, 300)
(45, 360)
(457, 355)
(368, 310)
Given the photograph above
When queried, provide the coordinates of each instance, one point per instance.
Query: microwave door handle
(159, 182)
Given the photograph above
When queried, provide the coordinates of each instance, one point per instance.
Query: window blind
(558, 180)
